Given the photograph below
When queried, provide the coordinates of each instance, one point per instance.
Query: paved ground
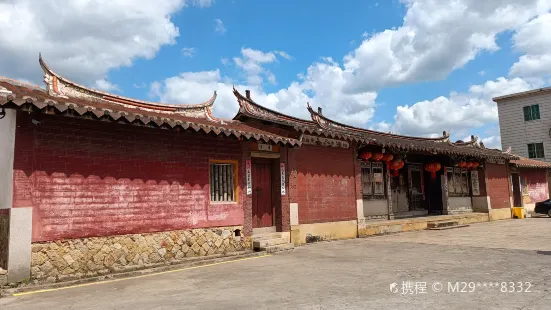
(352, 274)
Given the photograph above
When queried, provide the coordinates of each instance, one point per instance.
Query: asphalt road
(450, 269)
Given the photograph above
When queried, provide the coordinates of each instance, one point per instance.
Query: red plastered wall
(91, 178)
(536, 182)
(326, 184)
(498, 186)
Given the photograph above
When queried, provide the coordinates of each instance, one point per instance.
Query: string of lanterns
(468, 164)
(393, 164)
(397, 164)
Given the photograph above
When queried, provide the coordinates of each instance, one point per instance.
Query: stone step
(269, 242)
(266, 236)
(441, 224)
(278, 248)
(448, 227)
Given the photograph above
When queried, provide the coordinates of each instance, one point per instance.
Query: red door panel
(262, 193)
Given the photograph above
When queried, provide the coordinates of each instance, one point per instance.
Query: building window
(458, 181)
(223, 180)
(535, 150)
(531, 112)
(372, 179)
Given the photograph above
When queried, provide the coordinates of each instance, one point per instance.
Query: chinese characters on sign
(264, 147)
(315, 140)
(282, 170)
(248, 173)
(474, 183)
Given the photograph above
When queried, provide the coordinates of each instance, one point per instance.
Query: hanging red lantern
(396, 165)
(475, 165)
(432, 168)
(468, 165)
(377, 156)
(365, 155)
(462, 164)
(387, 157)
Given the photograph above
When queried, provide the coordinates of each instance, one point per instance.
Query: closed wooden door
(262, 193)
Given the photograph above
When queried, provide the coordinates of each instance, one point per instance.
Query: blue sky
(414, 67)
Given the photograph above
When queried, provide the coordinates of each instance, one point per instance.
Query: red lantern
(387, 157)
(377, 156)
(469, 165)
(396, 165)
(475, 165)
(432, 168)
(365, 155)
(462, 164)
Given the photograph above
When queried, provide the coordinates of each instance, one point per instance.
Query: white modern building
(525, 123)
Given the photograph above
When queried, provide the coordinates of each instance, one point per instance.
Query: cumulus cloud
(534, 41)
(458, 112)
(77, 37)
(322, 85)
(436, 38)
(105, 85)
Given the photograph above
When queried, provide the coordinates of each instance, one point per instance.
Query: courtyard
(496, 265)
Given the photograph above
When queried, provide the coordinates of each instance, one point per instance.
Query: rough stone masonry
(86, 257)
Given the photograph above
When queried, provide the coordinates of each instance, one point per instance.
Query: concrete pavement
(352, 274)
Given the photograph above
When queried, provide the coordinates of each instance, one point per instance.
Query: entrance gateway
(263, 210)
(265, 188)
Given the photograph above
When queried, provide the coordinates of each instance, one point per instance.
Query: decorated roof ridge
(32, 99)
(250, 107)
(524, 162)
(59, 86)
(472, 143)
(329, 124)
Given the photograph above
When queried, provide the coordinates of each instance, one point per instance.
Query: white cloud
(284, 55)
(436, 38)
(105, 85)
(482, 73)
(459, 112)
(252, 61)
(77, 38)
(492, 142)
(534, 41)
(189, 51)
(219, 26)
(322, 85)
(225, 61)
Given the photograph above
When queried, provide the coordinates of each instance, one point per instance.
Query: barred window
(372, 179)
(222, 182)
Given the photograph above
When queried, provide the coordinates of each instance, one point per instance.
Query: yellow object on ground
(518, 213)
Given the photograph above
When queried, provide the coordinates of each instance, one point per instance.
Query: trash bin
(518, 212)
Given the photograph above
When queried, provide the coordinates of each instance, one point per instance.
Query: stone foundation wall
(4, 237)
(367, 228)
(86, 257)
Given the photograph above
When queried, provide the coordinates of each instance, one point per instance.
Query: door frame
(272, 163)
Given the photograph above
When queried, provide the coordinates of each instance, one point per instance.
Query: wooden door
(262, 193)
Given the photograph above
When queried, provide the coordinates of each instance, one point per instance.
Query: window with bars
(531, 112)
(535, 150)
(222, 182)
(372, 179)
(458, 181)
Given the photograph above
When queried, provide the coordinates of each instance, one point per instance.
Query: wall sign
(474, 183)
(282, 171)
(499, 161)
(265, 147)
(319, 141)
(248, 174)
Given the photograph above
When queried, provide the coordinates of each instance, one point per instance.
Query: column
(16, 232)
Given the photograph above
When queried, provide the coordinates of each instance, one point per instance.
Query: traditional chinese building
(92, 182)
(529, 182)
